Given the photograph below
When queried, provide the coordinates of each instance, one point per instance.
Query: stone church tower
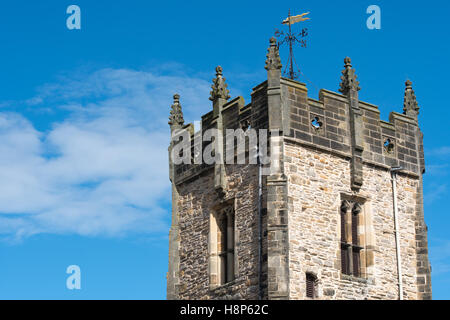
(340, 215)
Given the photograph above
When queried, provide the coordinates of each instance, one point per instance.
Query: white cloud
(441, 151)
(440, 256)
(102, 169)
(434, 192)
(437, 169)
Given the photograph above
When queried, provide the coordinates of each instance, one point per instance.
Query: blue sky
(83, 121)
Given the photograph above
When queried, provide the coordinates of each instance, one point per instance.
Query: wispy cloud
(434, 192)
(440, 256)
(102, 168)
(438, 152)
(438, 169)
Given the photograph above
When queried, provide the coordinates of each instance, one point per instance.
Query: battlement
(327, 124)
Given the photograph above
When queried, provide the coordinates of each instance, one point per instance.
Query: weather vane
(291, 39)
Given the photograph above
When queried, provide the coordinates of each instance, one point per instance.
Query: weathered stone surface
(314, 224)
(196, 203)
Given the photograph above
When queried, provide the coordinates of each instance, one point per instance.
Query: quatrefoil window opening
(388, 145)
(316, 123)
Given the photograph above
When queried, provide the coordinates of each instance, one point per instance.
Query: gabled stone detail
(410, 105)
(348, 79)
(176, 119)
(273, 61)
(219, 87)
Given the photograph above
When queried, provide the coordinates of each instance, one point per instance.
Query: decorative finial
(348, 62)
(408, 84)
(273, 61)
(410, 105)
(176, 114)
(219, 71)
(348, 79)
(219, 87)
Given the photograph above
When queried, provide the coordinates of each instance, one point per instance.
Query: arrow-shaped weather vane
(291, 39)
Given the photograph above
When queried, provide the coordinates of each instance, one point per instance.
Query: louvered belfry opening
(350, 246)
(311, 286)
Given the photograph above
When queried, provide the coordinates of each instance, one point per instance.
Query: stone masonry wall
(316, 180)
(197, 199)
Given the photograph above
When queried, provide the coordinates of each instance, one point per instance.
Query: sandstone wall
(197, 199)
(316, 181)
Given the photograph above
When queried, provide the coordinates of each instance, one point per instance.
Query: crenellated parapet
(353, 128)
(226, 114)
(338, 122)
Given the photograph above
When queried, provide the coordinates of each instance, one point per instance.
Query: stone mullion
(349, 239)
(362, 242)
